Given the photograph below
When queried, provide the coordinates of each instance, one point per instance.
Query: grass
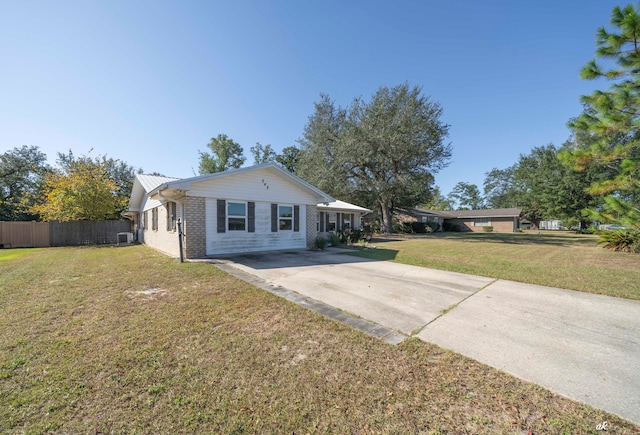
(556, 259)
(125, 340)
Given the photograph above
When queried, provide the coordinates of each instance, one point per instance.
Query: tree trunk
(387, 221)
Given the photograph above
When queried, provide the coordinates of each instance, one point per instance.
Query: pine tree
(607, 133)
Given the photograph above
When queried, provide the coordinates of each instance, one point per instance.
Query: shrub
(320, 243)
(433, 226)
(621, 240)
(334, 239)
(487, 229)
(449, 227)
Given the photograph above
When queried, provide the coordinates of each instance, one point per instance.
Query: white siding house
(258, 208)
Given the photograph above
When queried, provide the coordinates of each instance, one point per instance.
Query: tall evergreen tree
(607, 133)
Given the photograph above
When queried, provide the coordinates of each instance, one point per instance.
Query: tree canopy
(225, 154)
(607, 134)
(262, 153)
(80, 188)
(382, 153)
(21, 174)
(289, 158)
(467, 196)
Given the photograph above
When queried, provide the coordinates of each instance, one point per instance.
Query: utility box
(125, 238)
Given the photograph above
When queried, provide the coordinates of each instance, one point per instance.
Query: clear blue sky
(150, 82)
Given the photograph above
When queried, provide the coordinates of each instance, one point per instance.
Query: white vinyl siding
(263, 239)
(259, 185)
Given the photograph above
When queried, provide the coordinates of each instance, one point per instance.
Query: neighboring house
(338, 216)
(503, 220)
(257, 208)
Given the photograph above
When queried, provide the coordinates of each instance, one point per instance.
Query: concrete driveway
(583, 346)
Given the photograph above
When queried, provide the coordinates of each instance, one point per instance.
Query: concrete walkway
(583, 346)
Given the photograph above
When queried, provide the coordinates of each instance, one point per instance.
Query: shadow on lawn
(307, 258)
(529, 238)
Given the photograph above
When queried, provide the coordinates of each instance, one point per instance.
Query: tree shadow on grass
(379, 254)
(529, 238)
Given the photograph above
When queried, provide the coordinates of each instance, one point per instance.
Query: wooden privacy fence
(54, 233)
(24, 234)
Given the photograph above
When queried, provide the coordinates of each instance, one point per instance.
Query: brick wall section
(500, 225)
(312, 225)
(195, 228)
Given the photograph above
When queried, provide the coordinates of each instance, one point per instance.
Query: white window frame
(346, 220)
(333, 215)
(237, 216)
(281, 218)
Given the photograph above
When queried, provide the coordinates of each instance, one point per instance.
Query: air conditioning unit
(125, 238)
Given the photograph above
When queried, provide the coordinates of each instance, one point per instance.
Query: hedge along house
(257, 208)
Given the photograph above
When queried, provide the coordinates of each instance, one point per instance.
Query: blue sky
(151, 82)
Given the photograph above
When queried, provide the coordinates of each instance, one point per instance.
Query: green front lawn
(551, 258)
(125, 340)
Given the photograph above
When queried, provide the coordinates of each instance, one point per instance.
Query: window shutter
(326, 225)
(321, 219)
(251, 224)
(296, 218)
(338, 222)
(222, 216)
(353, 222)
(274, 218)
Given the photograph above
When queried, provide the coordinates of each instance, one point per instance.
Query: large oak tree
(381, 153)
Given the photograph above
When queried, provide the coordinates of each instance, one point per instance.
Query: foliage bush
(487, 229)
(435, 226)
(621, 240)
(450, 227)
(334, 239)
(350, 236)
(416, 227)
(591, 229)
(320, 243)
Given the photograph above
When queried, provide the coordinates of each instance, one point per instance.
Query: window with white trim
(236, 216)
(332, 221)
(482, 222)
(285, 217)
(346, 221)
